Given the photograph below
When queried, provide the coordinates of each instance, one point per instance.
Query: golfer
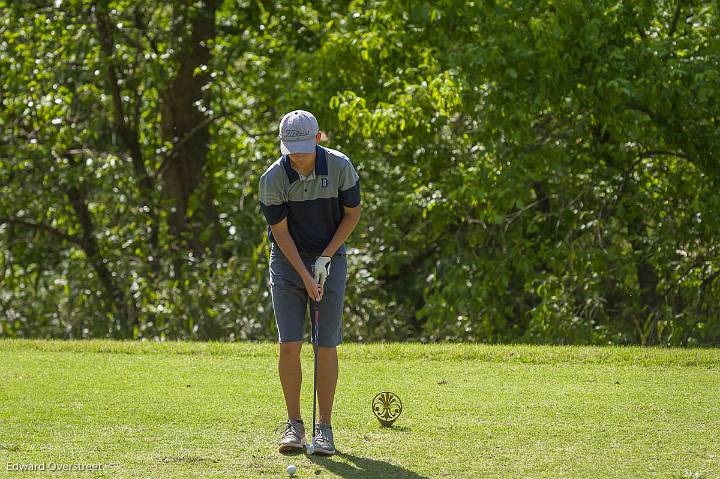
(310, 198)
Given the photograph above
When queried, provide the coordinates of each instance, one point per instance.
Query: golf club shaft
(316, 324)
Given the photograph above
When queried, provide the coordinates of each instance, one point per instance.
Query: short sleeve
(273, 206)
(349, 186)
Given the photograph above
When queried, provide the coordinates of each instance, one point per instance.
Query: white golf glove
(322, 269)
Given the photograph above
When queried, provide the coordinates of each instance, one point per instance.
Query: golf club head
(310, 447)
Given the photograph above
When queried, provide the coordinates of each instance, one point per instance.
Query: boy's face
(301, 157)
(305, 157)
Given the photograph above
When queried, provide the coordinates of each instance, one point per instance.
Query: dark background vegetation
(535, 171)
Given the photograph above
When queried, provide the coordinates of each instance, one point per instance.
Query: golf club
(315, 324)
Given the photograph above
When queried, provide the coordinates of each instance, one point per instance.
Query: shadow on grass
(362, 467)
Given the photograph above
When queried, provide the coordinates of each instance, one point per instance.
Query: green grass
(187, 410)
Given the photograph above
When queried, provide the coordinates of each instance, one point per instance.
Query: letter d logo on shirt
(323, 182)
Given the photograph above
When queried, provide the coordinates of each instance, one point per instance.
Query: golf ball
(291, 470)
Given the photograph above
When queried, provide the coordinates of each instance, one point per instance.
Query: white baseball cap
(297, 132)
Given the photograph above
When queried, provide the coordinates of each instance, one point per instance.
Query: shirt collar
(321, 167)
(309, 177)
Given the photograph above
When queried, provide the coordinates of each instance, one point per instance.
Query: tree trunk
(186, 126)
(126, 121)
(114, 295)
(647, 285)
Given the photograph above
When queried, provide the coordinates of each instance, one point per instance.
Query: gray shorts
(291, 304)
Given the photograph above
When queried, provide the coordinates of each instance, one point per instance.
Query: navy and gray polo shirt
(313, 204)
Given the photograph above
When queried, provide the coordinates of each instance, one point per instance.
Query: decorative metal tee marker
(387, 408)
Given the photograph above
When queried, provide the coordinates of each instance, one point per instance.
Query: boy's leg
(292, 436)
(291, 376)
(289, 303)
(327, 381)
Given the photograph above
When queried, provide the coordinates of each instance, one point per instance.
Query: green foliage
(531, 171)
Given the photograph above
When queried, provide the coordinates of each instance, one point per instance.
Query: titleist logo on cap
(296, 133)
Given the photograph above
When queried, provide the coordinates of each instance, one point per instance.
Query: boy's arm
(349, 196)
(281, 233)
(346, 227)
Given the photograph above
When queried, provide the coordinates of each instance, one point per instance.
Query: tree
(531, 171)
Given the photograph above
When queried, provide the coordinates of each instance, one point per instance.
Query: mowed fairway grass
(191, 410)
